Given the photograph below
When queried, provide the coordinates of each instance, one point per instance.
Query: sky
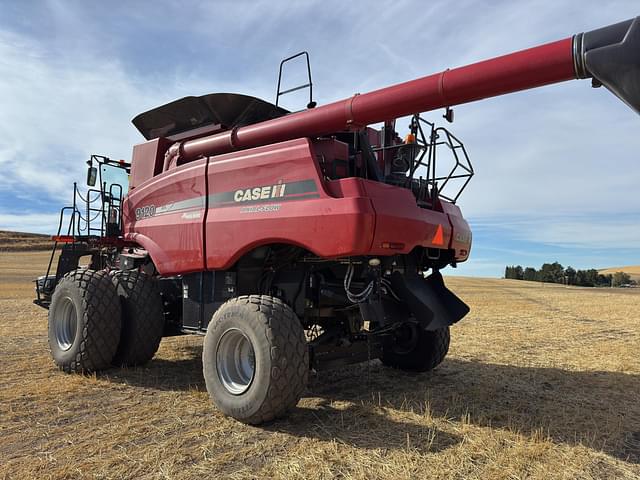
(556, 168)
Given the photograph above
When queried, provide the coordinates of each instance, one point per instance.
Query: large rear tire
(84, 321)
(255, 359)
(142, 317)
(415, 349)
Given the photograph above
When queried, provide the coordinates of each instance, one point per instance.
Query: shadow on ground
(599, 409)
(184, 373)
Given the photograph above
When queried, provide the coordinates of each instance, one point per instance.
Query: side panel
(461, 238)
(165, 216)
(401, 225)
(199, 217)
(275, 194)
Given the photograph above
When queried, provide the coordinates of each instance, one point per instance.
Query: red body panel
(461, 233)
(165, 216)
(276, 194)
(326, 226)
(400, 224)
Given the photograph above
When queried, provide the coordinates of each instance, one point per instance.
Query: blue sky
(556, 168)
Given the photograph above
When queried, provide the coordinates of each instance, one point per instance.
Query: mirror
(92, 175)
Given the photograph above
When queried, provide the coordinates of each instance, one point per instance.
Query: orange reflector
(393, 245)
(62, 238)
(438, 238)
(410, 138)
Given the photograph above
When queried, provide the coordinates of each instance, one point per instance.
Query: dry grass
(541, 382)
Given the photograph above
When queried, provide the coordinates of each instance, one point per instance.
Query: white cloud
(56, 114)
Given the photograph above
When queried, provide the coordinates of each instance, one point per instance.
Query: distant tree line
(556, 273)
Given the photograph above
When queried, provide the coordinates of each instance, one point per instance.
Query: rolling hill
(19, 241)
(632, 270)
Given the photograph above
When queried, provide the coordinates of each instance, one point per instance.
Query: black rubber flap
(226, 109)
(433, 304)
(612, 56)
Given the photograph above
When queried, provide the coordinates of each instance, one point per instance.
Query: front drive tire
(84, 322)
(416, 349)
(255, 359)
(142, 317)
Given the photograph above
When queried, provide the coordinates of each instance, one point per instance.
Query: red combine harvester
(292, 240)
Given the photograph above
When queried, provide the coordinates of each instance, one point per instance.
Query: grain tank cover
(226, 109)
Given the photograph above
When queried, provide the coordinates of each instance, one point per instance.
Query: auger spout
(611, 56)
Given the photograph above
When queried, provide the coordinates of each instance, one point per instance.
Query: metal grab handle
(309, 84)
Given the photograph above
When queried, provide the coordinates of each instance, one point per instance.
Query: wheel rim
(235, 361)
(406, 338)
(65, 323)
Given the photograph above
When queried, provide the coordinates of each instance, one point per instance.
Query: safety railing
(417, 164)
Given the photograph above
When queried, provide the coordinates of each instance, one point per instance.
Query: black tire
(417, 350)
(84, 322)
(280, 358)
(142, 317)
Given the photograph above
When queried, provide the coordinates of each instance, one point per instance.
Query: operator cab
(113, 184)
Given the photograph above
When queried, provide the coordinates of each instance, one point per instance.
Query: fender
(433, 304)
(159, 257)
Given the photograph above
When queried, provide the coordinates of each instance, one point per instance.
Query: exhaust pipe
(611, 56)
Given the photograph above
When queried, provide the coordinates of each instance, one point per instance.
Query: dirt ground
(541, 382)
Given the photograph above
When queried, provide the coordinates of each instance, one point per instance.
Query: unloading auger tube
(609, 55)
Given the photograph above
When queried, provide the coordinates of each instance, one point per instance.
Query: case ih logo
(260, 193)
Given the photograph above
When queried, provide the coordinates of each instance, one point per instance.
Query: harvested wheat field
(541, 382)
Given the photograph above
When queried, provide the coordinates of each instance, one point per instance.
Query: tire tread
(288, 350)
(142, 317)
(100, 319)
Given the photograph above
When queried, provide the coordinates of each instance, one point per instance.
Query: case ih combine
(292, 240)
